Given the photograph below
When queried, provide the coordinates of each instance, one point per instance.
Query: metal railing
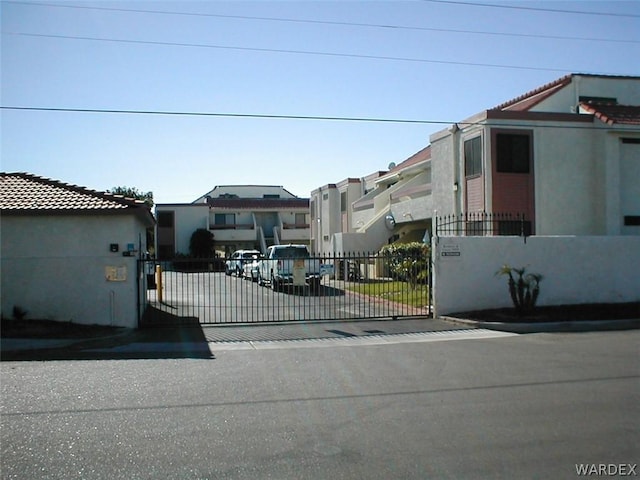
(353, 286)
(482, 224)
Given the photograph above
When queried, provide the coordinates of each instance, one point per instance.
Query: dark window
(225, 219)
(165, 251)
(473, 157)
(270, 195)
(513, 153)
(635, 141)
(343, 201)
(632, 221)
(600, 100)
(165, 219)
(514, 227)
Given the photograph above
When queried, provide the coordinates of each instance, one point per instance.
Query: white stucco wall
(188, 218)
(580, 269)
(54, 267)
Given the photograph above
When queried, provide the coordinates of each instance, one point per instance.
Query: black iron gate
(352, 286)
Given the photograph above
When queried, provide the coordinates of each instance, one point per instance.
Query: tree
(132, 192)
(201, 244)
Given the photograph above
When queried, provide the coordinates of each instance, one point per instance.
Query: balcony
(243, 232)
(295, 232)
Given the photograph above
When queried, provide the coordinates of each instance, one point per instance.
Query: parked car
(235, 263)
(280, 262)
(251, 268)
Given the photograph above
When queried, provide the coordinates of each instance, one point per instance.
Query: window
(225, 219)
(473, 157)
(514, 227)
(271, 195)
(631, 141)
(301, 219)
(325, 196)
(513, 152)
(632, 220)
(165, 219)
(606, 100)
(343, 201)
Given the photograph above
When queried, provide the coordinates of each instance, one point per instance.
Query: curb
(550, 327)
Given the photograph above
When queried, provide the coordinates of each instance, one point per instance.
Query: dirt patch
(560, 313)
(50, 329)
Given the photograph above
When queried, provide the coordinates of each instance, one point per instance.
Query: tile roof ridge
(562, 81)
(104, 195)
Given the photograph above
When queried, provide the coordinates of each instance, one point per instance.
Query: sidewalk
(200, 341)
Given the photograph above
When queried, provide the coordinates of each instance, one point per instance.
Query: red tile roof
(614, 114)
(422, 155)
(258, 203)
(530, 99)
(25, 193)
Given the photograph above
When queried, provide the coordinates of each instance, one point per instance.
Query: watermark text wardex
(606, 469)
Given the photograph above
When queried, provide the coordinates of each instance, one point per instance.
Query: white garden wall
(62, 268)
(576, 269)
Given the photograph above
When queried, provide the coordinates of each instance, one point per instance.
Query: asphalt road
(213, 297)
(530, 406)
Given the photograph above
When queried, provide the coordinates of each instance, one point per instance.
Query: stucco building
(566, 156)
(69, 253)
(238, 216)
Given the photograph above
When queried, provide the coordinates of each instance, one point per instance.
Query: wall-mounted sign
(115, 274)
(451, 250)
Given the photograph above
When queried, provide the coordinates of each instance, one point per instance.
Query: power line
(536, 9)
(328, 22)
(281, 117)
(298, 52)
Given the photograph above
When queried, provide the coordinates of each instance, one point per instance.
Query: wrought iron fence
(351, 286)
(482, 224)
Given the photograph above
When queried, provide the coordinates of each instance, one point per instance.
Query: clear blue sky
(448, 61)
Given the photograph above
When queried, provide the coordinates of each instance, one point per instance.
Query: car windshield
(291, 252)
(250, 255)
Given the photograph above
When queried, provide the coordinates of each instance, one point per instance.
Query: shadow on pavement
(168, 337)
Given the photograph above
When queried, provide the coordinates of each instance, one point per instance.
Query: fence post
(159, 283)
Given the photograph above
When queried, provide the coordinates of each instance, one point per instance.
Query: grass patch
(394, 291)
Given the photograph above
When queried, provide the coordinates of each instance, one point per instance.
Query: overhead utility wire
(535, 9)
(296, 52)
(277, 117)
(328, 22)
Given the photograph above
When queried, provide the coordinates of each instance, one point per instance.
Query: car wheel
(238, 272)
(260, 281)
(227, 271)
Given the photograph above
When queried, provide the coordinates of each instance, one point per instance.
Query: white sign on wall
(116, 274)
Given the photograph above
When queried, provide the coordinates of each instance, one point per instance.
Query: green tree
(201, 244)
(132, 192)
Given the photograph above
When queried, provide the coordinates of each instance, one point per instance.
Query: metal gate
(353, 286)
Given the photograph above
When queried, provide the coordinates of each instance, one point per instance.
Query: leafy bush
(408, 261)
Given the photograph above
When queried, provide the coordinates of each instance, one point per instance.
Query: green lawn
(395, 291)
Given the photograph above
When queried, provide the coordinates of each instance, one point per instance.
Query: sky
(176, 97)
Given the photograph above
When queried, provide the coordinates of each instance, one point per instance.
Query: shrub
(408, 261)
(524, 290)
(201, 244)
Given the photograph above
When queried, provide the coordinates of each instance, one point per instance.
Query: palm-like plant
(524, 288)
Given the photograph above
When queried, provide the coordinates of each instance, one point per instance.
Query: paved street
(527, 406)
